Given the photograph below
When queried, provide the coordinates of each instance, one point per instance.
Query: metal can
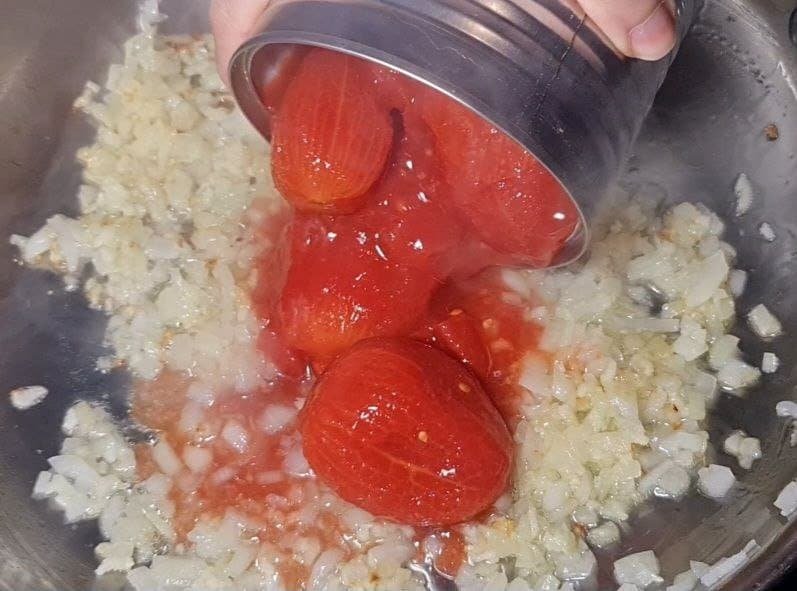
(536, 69)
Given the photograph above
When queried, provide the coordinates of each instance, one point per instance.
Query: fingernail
(654, 37)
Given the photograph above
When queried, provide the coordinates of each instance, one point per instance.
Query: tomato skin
(340, 290)
(410, 211)
(407, 433)
(459, 336)
(273, 78)
(331, 140)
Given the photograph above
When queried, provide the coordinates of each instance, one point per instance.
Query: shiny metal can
(537, 69)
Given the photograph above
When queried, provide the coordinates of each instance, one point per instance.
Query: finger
(643, 29)
(233, 22)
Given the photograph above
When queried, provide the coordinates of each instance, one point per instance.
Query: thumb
(643, 29)
(233, 22)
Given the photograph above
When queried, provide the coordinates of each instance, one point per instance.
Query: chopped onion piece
(770, 363)
(743, 189)
(787, 499)
(604, 535)
(736, 374)
(234, 434)
(715, 481)
(737, 282)
(586, 516)
(704, 384)
(276, 417)
(640, 569)
(691, 344)
(733, 442)
(222, 475)
(166, 458)
(698, 568)
(270, 477)
(764, 323)
(727, 566)
(745, 449)
(535, 376)
(576, 567)
(684, 581)
(723, 349)
(767, 232)
(27, 397)
(749, 452)
(667, 480)
(520, 584)
(198, 459)
(711, 275)
(296, 464)
(323, 568)
(638, 325)
(114, 557)
(786, 408)
(190, 417)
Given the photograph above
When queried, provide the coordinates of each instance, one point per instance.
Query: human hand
(643, 29)
(233, 22)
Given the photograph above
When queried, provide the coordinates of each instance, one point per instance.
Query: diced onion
(276, 417)
(736, 374)
(198, 459)
(746, 449)
(234, 434)
(727, 566)
(640, 325)
(691, 344)
(787, 499)
(724, 349)
(323, 568)
(27, 397)
(166, 458)
(764, 323)
(737, 282)
(685, 581)
(712, 273)
(767, 232)
(295, 462)
(604, 535)
(770, 363)
(786, 408)
(715, 481)
(535, 376)
(640, 569)
(667, 480)
(743, 189)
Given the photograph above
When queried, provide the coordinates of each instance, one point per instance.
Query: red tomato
(409, 210)
(272, 77)
(501, 328)
(506, 195)
(404, 431)
(340, 288)
(331, 138)
(459, 336)
(394, 90)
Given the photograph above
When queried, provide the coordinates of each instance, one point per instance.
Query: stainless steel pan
(736, 73)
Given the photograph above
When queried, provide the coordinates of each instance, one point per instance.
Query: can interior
(261, 71)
